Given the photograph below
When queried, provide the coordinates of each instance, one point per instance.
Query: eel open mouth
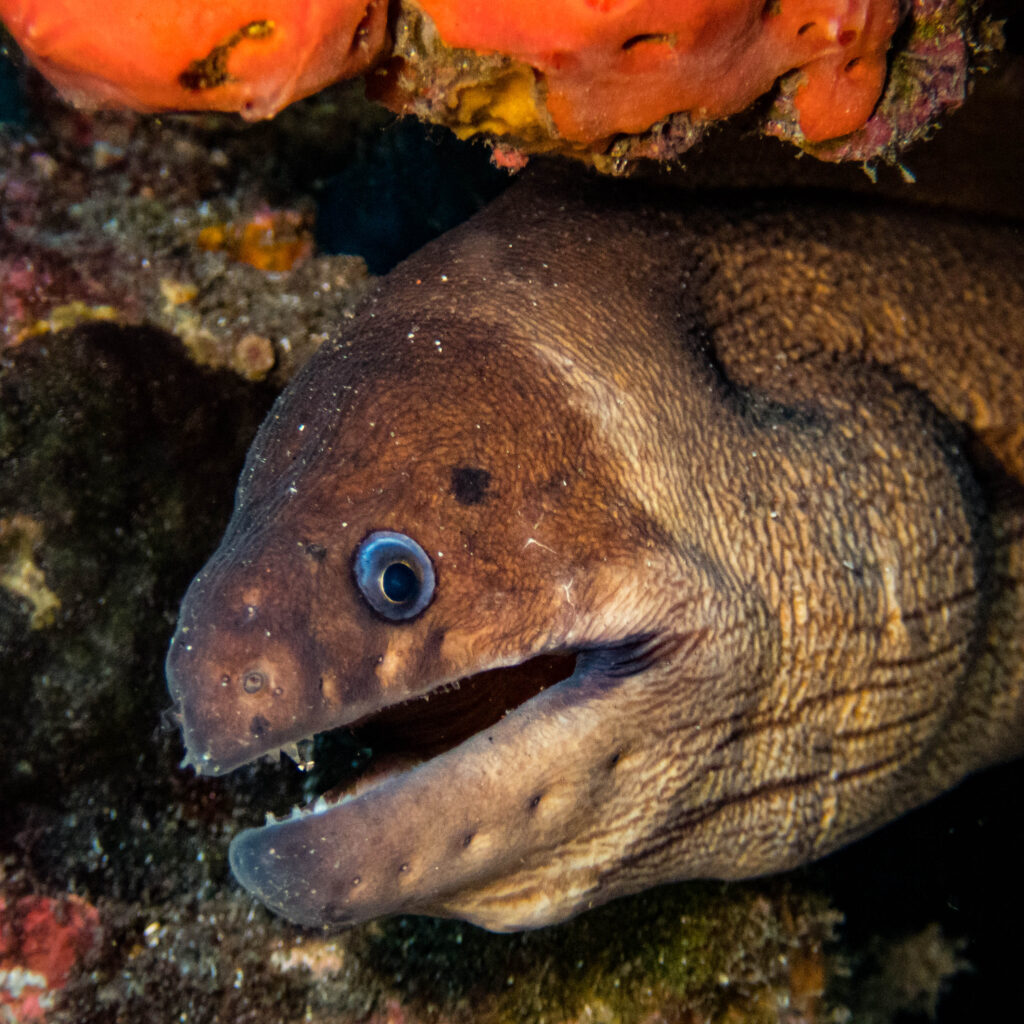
(346, 761)
(386, 784)
(433, 802)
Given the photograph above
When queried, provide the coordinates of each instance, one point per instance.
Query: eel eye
(394, 575)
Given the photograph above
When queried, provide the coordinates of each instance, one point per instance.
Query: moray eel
(651, 538)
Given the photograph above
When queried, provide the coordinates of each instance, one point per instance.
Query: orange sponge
(589, 69)
(254, 58)
(619, 66)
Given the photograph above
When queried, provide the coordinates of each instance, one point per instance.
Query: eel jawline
(416, 840)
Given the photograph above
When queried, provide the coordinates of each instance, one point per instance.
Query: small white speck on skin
(444, 278)
(302, 427)
(533, 540)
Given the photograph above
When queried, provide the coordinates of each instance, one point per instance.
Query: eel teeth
(300, 753)
(305, 762)
(295, 812)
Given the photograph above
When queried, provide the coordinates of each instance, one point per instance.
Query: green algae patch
(685, 952)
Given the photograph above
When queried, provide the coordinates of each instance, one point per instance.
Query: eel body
(644, 538)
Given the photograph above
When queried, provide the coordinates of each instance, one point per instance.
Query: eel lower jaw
(476, 796)
(419, 826)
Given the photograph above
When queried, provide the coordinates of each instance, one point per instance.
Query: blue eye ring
(394, 575)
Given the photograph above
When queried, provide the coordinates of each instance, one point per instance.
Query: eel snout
(243, 668)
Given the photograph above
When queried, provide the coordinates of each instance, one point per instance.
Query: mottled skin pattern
(762, 464)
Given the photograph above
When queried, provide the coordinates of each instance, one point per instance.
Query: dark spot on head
(614, 759)
(254, 681)
(469, 484)
(316, 551)
(259, 726)
(535, 801)
(468, 838)
(402, 868)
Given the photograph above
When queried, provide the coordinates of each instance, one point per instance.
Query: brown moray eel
(700, 524)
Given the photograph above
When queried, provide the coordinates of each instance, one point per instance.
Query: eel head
(431, 550)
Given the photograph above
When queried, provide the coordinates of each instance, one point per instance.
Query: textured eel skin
(725, 508)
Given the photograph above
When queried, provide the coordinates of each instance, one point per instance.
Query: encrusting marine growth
(572, 76)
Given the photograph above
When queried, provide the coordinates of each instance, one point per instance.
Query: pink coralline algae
(41, 940)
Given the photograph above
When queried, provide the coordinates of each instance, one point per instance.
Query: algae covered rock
(117, 461)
